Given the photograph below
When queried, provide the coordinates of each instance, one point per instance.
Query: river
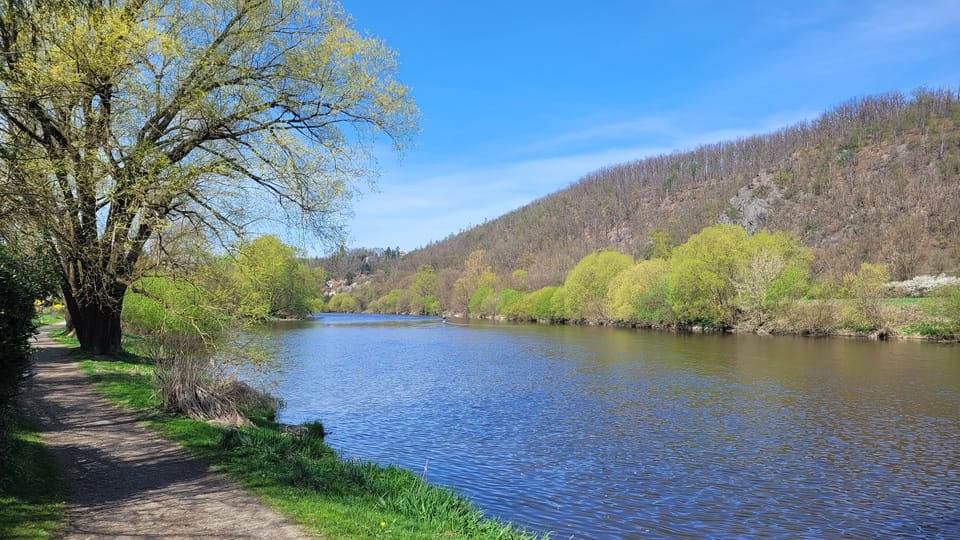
(614, 433)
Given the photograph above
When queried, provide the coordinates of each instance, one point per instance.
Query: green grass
(44, 318)
(933, 329)
(303, 477)
(60, 336)
(32, 495)
(124, 383)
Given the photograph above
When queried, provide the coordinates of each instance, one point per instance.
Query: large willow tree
(119, 118)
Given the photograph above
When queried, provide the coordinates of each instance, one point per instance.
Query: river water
(615, 433)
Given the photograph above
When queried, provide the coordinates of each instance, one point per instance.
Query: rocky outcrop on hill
(751, 206)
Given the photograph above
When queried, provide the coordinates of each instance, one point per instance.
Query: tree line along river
(611, 433)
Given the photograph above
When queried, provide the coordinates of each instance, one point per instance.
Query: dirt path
(126, 481)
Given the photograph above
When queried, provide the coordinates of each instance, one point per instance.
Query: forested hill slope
(876, 179)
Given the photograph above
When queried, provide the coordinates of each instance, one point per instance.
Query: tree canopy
(121, 118)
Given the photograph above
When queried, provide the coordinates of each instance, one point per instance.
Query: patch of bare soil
(127, 481)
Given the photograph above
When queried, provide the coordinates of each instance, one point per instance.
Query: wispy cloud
(417, 205)
(894, 22)
(411, 209)
(872, 41)
(646, 127)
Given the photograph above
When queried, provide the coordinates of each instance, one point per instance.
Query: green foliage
(508, 302)
(662, 245)
(432, 306)
(265, 280)
(776, 270)
(867, 287)
(342, 303)
(164, 304)
(936, 330)
(585, 288)
(268, 280)
(411, 302)
(17, 295)
(468, 282)
(535, 306)
(482, 302)
(129, 384)
(640, 294)
(520, 279)
(16, 328)
(425, 281)
(388, 302)
(702, 273)
(420, 298)
(317, 305)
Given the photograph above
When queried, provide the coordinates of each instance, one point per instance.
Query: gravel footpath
(126, 481)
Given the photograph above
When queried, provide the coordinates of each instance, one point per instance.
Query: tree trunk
(98, 330)
(97, 320)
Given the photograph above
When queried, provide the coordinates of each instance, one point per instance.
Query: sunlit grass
(123, 383)
(303, 477)
(32, 495)
(47, 318)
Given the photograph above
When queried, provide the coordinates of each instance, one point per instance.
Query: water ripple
(599, 433)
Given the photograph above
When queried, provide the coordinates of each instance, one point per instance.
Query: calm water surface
(612, 433)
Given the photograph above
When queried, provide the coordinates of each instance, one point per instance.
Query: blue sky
(522, 98)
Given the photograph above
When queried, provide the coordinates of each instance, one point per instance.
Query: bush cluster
(16, 329)
(721, 277)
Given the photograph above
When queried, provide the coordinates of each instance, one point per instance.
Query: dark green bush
(16, 329)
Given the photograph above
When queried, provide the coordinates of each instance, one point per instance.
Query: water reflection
(606, 433)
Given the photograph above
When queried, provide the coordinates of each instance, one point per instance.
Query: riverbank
(895, 318)
(123, 479)
(296, 474)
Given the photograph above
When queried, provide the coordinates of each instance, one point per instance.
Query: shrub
(480, 304)
(343, 303)
(640, 294)
(16, 329)
(507, 300)
(867, 288)
(812, 317)
(158, 304)
(585, 287)
(702, 275)
(189, 382)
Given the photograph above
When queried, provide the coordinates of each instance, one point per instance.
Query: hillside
(876, 179)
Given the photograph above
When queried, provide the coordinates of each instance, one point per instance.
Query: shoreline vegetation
(292, 469)
(905, 319)
(720, 280)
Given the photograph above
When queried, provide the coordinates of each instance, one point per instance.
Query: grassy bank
(302, 476)
(32, 496)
